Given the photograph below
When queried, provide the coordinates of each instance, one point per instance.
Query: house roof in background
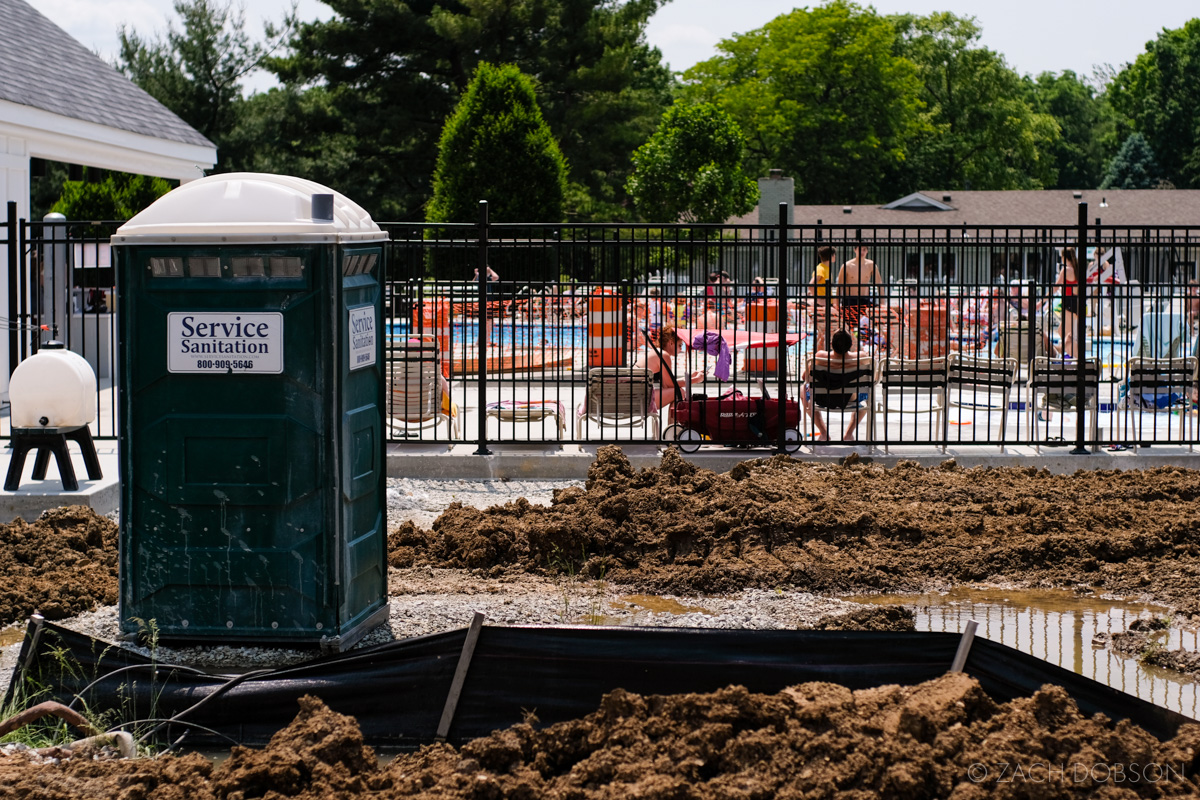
(1024, 208)
(42, 66)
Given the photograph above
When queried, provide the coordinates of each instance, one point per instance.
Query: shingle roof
(1033, 208)
(43, 67)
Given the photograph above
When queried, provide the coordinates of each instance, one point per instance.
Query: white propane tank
(53, 388)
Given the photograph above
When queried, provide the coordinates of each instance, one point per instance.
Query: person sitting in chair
(659, 358)
(840, 362)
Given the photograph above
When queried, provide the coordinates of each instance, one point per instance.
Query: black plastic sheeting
(397, 690)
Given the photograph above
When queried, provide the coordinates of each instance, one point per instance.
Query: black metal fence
(958, 335)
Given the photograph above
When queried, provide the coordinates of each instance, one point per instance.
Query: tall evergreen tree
(1133, 167)
(497, 147)
(393, 71)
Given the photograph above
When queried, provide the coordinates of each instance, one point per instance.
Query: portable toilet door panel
(362, 560)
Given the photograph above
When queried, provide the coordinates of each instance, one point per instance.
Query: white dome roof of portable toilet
(247, 207)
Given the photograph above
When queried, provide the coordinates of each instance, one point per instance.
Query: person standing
(822, 307)
(490, 309)
(855, 281)
(1068, 280)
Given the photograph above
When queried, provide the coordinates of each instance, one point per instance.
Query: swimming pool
(506, 334)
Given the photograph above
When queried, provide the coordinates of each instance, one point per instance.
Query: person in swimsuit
(659, 358)
(842, 359)
(855, 281)
(1068, 279)
(822, 306)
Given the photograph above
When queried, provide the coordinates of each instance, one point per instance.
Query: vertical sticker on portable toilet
(205, 341)
(362, 337)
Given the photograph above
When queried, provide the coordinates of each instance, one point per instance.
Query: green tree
(1160, 93)
(118, 196)
(691, 168)
(1086, 123)
(980, 132)
(1133, 167)
(394, 71)
(821, 94)
(497, 147)
(197, 70)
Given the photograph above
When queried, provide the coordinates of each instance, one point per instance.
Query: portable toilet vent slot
(322, 208)
(53, 399)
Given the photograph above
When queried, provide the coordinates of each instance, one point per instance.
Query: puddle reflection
(1058, 626)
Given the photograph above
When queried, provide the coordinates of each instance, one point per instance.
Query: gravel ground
(432, 600)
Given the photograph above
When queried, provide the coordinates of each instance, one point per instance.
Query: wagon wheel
(792, 439)
(686, 439)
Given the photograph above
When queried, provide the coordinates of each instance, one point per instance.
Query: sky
(1033, 35)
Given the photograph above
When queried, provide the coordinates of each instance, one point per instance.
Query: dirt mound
(856, 527)
(880, 618)
(62, 564)
(319, 749)
(941, 738)
(936, 739)
(1146, 640)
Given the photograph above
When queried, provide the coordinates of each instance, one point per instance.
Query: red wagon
(733, 419)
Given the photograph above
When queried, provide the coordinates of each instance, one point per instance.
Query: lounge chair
(916, 387)
(619, 397)
(1053, 385)
(980, 384)
(417, 402)
(1156, 386)
(529, 411)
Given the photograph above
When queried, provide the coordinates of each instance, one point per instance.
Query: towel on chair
(713, 343)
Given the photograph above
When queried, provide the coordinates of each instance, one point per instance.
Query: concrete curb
(32, 498)
(533, 462)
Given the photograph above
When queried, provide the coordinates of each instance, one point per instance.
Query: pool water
(506, 334)
(1059, 626)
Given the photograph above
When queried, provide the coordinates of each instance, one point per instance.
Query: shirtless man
(854, 282)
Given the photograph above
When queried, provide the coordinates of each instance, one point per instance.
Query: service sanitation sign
(362, 337)
(202, 341)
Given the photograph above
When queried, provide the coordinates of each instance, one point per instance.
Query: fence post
(781, 353)
(28, 293)
(1081, 335)
(14, 264)
(482, 338)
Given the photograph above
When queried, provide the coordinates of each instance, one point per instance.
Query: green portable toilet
(251, 414)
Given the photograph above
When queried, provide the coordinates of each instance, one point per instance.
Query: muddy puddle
(1059, 626)
(11, 635)
(637, 610)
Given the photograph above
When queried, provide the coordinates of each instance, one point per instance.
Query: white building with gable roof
(61, 102)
